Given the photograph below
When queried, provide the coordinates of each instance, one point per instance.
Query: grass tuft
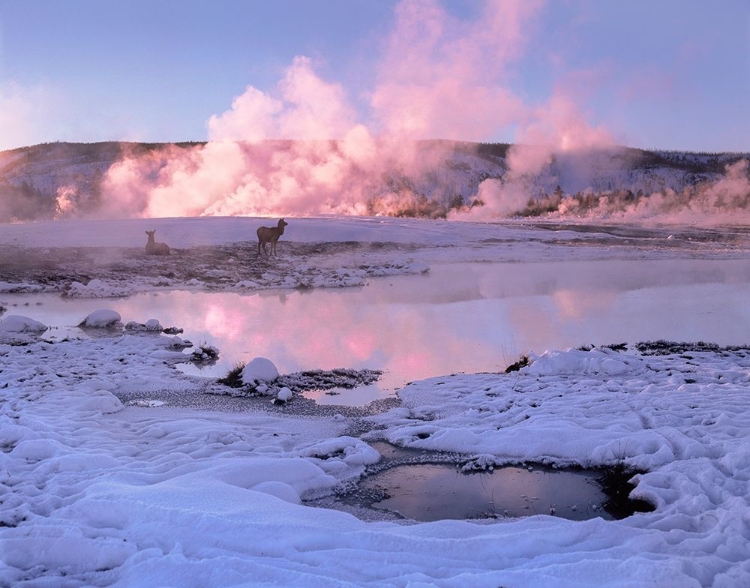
(234, 378)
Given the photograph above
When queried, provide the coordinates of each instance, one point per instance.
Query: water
(428, 486)
(458, 318)
(430, 492)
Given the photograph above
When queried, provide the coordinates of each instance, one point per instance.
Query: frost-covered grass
(118, 470)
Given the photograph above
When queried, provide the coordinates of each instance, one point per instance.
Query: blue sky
(672, 74)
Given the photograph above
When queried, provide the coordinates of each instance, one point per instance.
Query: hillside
(428, 178)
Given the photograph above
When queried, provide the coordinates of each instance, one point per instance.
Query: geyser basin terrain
(97, 493)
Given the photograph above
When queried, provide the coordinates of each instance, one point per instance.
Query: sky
(666, 74)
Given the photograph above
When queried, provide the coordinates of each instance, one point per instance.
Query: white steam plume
(301, 149)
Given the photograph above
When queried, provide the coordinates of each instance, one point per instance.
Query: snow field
(110, 494)
(100, 485)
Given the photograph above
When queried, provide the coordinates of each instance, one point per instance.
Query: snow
(259, 370)
(103, 318)
(284, 395)
(95, 289)
(19, 329)
(16, 323)
(103, 485)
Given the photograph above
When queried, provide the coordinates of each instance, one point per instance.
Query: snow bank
(97, 493)
(96, 289)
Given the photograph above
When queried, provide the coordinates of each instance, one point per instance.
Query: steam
(23, 114)
(441, 77)
(332, 165)
(724, 201)
(555, 131)
(309, 109)
(302, 148)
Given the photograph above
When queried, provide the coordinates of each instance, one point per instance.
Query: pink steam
(441, 77)
(309, 109)
(554, 130)
(300, 148)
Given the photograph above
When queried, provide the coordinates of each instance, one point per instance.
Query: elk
(154, 248)
(270, 235)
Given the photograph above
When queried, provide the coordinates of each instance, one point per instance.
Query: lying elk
(154, 248)
(270, 235)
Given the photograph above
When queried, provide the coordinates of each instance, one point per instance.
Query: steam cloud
(724, 201)
(301, 150)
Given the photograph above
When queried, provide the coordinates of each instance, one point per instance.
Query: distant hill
(55, 180)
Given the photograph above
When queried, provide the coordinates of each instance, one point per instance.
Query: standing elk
(270, 235)
(154, 248)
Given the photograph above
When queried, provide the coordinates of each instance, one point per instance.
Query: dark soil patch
(662, 347)
(217, 267)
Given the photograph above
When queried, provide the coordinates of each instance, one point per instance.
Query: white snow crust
(100, 485)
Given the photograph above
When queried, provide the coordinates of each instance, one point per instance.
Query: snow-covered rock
(259, 370)
(284, 395)
(103, 318)
(151, 325)
(16, 323)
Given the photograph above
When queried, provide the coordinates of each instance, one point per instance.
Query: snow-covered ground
(100, 486)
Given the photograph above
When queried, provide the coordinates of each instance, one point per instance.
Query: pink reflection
(459, 318)
(322, 330)
(577, 304)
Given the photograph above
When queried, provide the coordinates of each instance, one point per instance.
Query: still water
(458, 318)
(431, 492)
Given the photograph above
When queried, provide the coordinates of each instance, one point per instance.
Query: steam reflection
(458, 318)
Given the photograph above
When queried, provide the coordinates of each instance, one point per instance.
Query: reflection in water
(459, 318)
(430, 492)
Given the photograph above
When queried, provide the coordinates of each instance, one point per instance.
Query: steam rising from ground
(302, 148)
(724, 201)
(438, 77)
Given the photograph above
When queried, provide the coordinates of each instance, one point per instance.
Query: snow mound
(96, 289)
(104, 318)
(280, 490)
(259, 370)
(350, 450)
(102, 401)
(16, 323)
(151, 325)
(284, 395)
(577, 361)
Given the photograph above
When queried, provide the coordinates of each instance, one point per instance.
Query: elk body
(270, 235)
(154, 248)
